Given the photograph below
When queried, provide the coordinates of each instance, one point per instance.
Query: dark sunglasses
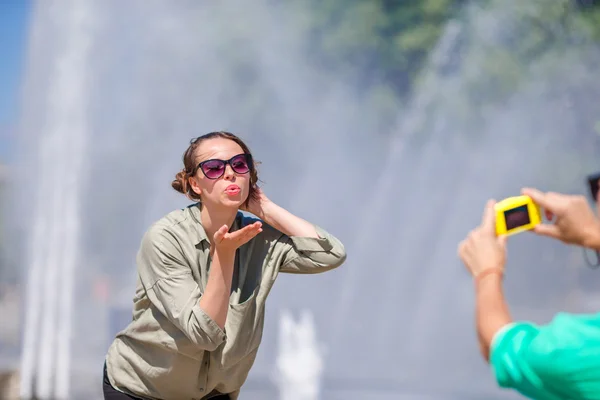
(214, 169)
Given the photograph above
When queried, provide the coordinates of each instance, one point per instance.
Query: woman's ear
(195, 186)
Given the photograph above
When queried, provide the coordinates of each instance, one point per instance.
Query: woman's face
(217, 181)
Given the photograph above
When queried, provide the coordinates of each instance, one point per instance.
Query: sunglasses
(214, 169)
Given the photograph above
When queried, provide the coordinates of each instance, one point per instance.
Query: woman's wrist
(226, 257)
(268, 211)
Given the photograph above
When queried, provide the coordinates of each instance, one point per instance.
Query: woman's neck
(214, 219)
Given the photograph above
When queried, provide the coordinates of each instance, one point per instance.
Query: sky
(13, 30)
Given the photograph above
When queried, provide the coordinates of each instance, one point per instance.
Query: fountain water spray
(46, 355)
(300, 358)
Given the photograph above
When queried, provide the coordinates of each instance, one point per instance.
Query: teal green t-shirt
(557, 361)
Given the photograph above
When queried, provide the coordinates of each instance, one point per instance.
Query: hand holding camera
(574, 220)
(570, 220)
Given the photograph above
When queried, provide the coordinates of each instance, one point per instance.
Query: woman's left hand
(482, 249)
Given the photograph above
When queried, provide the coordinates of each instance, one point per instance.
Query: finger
(220, 233)
(249, 236)
(238, 235)
(251, 229)
(255, 227)
(548, 230)
(488, 220)
(465, 248)
(539, 198)
(549, 215)
(466, 261)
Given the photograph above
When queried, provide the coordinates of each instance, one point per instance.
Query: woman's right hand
(228, 242)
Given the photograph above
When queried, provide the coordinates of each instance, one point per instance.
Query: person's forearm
(491, 311)
(286, 222)
(215, 300)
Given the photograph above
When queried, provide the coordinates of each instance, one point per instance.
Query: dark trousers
(110, 393)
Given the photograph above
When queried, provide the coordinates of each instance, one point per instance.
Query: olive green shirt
(172, 350)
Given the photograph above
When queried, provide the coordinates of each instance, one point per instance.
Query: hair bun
(180, 182)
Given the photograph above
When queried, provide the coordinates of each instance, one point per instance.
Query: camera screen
(516, 217)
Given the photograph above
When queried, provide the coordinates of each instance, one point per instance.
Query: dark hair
(181, 182)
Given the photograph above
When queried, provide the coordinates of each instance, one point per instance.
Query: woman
(204, 274)
(559, 360)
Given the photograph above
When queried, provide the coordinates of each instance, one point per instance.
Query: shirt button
(202, 389)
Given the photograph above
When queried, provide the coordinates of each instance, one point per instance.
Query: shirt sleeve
(560, 360)
(171, 288)
(308, 255)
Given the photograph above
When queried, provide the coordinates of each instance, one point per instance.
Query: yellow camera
(516, 214)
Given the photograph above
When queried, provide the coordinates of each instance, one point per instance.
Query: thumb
(549, 230)
(221, 233)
